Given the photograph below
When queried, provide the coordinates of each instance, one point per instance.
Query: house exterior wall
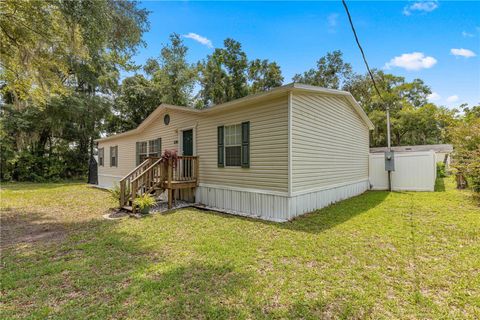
(268, 146)
(330, 143)
(329, 148)
(108, 176)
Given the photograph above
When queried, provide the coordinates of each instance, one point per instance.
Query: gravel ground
(162, 206)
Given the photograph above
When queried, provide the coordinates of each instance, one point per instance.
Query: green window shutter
(246, 144)
(110, 156)
(137, 153)
(221, 153)
(116, 156)
(159, 143)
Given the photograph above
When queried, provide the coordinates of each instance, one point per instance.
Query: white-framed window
(233, 145)
(114, 156)
(154, 148)
(143, 151)
(101, 156)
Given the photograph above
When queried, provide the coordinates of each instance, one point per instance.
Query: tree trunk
(92, 166)
(42, 141)
(461, 181)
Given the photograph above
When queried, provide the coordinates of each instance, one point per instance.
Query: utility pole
(389, 147)
(389, 157)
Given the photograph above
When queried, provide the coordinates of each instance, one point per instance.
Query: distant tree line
(60, 86)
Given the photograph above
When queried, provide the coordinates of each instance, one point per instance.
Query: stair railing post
(169, 183)
(122, 193)
(134, 194)
(197, 168)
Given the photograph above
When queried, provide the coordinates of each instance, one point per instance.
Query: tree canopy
(60, 65)
(45, 45)
(331, 72)
(227, 74)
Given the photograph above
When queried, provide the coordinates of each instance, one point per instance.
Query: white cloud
(434, 96)
(466, 34)
(421, 6)
(463, 53)
(205, 41)
(412, 61)
(452, 99)
(332, 21)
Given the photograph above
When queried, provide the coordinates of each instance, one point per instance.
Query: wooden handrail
(134, 170)
(146, 170)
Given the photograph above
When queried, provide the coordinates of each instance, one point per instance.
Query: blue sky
(437, 41)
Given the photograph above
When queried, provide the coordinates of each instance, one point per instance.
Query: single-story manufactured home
(273, 155)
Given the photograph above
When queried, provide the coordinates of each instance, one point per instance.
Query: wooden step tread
(128, 208)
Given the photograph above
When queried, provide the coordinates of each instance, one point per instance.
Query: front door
(187, 143)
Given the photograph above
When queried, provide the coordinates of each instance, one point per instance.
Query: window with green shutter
(234, 145)
(220, 148)
(154, 148)
(246, 144)
(145, 149)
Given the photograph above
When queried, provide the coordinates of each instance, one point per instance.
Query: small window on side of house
(101, 156)
(114, 156)
(143, 151)
(154, 148)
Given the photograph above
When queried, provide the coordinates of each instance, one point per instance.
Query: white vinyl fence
(414, 171)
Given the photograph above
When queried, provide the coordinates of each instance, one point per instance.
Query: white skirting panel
(274, 206)
(317, 199)
(108, 181)
(254, 204)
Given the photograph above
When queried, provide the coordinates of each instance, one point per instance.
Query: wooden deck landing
(154, 176)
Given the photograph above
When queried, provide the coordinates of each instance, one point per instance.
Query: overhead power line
(360, 47)
(387, 108)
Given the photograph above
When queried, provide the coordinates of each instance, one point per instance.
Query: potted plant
(170, 155)
(144, 203)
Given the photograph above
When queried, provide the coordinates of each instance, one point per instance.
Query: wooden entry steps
(154, 176)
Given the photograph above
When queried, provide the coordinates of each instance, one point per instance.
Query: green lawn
(379, 255)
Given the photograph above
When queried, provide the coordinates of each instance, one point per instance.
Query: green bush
(115, 193)
(441, 173)
(473, 176)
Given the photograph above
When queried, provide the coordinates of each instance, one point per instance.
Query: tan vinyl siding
(268, 146)
(330, 142)
(157, 129)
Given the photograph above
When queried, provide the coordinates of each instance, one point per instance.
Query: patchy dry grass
(379, 255)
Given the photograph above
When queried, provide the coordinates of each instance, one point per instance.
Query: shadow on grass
(440, 185)
(34, 186)
(321, 219)
(335, 214)
(20, 227)
(92, 269)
